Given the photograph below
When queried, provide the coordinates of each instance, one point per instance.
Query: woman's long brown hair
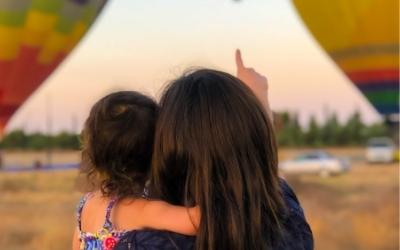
(215, 147)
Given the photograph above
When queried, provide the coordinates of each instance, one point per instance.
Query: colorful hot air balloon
(362, 37)
(35, 37)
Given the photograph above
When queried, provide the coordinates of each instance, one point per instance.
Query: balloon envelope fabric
(362, 37)
(35, 37)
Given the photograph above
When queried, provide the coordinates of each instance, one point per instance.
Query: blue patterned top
(104, 239)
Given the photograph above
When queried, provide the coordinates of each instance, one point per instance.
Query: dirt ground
(355, 211)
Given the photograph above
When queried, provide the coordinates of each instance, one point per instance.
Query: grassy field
(37, 210)
(357, 211)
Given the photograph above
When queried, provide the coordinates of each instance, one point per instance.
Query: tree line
(289, 134)
(353, 132)
(20, 140)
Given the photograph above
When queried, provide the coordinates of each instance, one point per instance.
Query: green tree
(15, 140)
(376, 130)
(312, 135)
(353, 129)
(296, 132)
(330, 131)
(283, 135)
(38, 141)
(290, 132)
(65, 140)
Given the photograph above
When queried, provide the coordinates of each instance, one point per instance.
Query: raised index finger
(239, 61)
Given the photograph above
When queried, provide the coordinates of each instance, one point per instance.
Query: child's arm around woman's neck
(138, 213)
(164, 216)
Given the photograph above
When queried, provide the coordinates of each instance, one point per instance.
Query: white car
(316, 162)
(380, 149)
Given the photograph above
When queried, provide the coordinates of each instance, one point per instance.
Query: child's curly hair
(117, 143)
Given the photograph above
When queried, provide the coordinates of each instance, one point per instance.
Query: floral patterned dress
(104, 239)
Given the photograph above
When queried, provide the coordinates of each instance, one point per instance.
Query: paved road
(53, 167)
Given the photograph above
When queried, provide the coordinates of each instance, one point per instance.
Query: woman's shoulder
(298, 234)
(291, 201)
(155, 239)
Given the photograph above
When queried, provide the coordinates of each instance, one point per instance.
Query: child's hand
(255, 81)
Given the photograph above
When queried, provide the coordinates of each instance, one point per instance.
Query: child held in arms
(117, 151)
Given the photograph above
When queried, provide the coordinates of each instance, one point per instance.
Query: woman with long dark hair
(215, 148)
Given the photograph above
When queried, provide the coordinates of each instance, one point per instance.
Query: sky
(142, 44)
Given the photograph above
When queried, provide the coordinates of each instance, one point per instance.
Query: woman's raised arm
(257, 82)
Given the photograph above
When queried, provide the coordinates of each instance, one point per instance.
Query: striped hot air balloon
(35, 37)
(362, 37)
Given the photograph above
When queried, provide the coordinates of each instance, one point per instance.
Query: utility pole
(74, 124)
(49, 128)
